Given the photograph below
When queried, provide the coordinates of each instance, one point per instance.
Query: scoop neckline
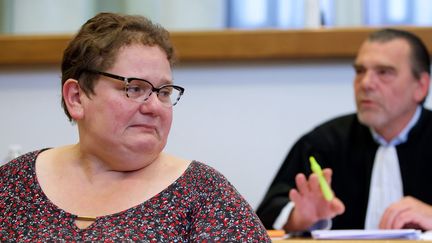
(72, 217)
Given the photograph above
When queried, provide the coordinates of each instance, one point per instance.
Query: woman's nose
(151, 102)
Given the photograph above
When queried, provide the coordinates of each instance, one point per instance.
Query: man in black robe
(392, 72)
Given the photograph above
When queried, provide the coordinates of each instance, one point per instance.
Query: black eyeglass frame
(129, 79)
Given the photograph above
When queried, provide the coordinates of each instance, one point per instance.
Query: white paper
(410, 234)
(426, 235)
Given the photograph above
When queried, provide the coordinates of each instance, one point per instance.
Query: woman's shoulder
(204, 171)
(19, 171)
(20, 163)
(205, 178)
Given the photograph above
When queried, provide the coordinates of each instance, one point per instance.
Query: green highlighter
(325, 188)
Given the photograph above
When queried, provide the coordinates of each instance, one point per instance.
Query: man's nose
(368, 79)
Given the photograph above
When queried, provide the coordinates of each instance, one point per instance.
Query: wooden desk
(296, 240)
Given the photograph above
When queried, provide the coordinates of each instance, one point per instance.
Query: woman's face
(113, 121)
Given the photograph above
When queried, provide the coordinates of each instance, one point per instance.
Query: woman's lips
(147, 127)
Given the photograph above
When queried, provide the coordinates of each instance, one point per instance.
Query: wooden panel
(216, 45)
(270, 44)
(276, 44)
(32, 50)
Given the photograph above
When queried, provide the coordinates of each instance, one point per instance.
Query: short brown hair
(98, 41)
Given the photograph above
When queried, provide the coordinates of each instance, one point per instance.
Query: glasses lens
(138, 90)
(169, 95)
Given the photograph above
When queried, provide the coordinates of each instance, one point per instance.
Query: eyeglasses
(140, 89)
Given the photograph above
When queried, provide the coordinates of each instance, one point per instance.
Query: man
(379, 160)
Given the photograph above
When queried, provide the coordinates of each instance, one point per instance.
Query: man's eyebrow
(385, 67)
(356, 65)
(380, 66)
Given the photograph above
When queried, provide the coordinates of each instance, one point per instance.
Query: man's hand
(409, 212)
(310, 204)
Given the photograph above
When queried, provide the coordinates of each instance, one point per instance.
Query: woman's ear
(72, 98)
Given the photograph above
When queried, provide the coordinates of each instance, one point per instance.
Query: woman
(116, 184)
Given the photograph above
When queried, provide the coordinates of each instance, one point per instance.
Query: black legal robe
(347, 147)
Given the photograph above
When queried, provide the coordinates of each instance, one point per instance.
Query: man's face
(385, 89)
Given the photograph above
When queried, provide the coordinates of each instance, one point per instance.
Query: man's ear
(72, 98)
(423, 87)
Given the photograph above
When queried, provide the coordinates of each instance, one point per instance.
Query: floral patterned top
(200, 206)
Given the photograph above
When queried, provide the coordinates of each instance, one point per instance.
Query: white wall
(240, 118)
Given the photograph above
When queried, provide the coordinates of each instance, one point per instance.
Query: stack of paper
(410, 234)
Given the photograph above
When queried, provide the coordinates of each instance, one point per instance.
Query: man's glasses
(140, 89)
